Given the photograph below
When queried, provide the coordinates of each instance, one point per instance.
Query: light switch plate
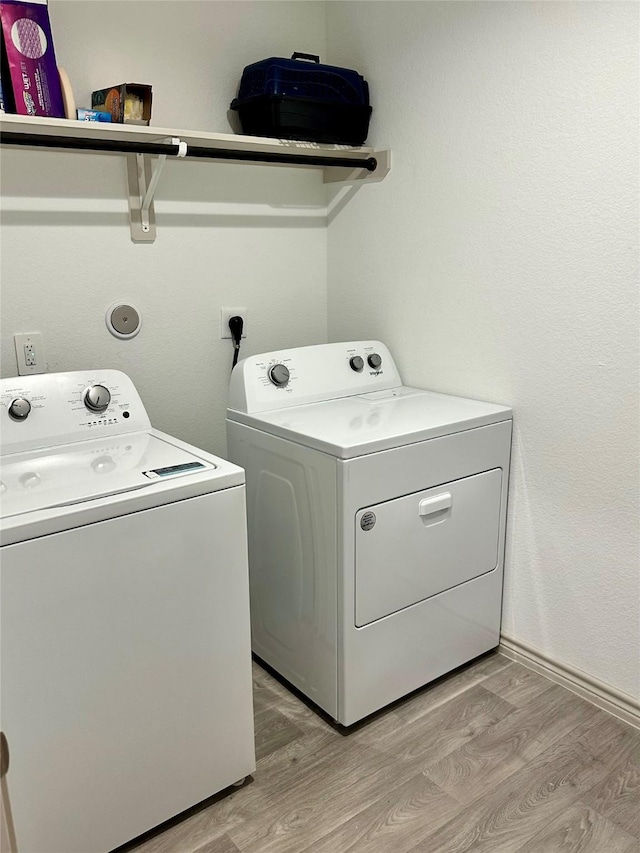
(29, 353)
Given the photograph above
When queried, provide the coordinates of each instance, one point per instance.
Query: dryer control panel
(61, 408)
(284, 378)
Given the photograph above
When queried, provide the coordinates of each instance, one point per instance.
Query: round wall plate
(123, 320)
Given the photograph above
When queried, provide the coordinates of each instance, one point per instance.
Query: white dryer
(376, 518)
(126, 679)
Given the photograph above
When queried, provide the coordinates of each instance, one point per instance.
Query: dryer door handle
(436, 504)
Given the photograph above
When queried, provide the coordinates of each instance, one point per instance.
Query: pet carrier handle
(310, 56)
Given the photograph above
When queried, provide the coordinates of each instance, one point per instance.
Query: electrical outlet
(226, 314)
(29, 353)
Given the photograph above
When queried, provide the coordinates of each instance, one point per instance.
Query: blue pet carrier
(299, 98)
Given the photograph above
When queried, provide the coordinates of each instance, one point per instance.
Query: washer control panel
(311, 374)
(43, 409)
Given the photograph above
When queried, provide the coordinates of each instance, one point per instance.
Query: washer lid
(76, 473)
(381, 420)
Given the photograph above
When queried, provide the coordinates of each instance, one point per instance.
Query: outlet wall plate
(29, 353)
(225, 315)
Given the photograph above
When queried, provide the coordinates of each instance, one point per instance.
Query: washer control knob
(279, 375)
(97, 398)
(356, 363)
(19, 408)
(374, 360)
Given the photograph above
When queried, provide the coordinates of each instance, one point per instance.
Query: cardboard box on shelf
(30, 78)
(128, 103)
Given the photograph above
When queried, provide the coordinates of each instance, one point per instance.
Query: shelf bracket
(334, 175)
(143, 175)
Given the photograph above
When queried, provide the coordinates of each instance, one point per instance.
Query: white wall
(227, 234)
(499, 260)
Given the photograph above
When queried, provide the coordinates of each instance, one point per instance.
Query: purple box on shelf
(30, 61)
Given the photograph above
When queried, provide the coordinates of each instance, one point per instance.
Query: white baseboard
(603, 695)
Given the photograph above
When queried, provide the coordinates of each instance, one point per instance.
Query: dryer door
(416, 546)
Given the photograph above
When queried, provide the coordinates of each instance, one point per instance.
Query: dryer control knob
(279, 374)
(356, 363)
(97, 398)
(374, 360)
(19, 408)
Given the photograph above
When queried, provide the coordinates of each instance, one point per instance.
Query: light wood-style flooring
(491, 759)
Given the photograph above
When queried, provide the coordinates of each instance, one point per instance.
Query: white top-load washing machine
(376, 518)
(126, 662)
